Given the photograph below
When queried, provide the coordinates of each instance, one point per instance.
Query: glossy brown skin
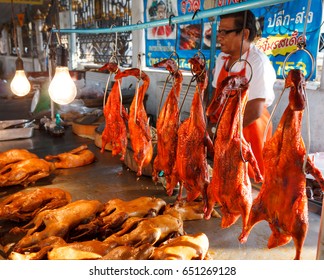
(116, 211)
(57, 222)
(115, 131)
(185, 247)
(230, 185)
(14, 155)
(142, 252)
(191, 167)
(139, 128)
(24, 205)
(56, 248)
(167, 125)
(75, 158)
(282, 200)
(25, 172)
(138, 231)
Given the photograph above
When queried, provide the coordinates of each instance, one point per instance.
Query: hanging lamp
(62, 88)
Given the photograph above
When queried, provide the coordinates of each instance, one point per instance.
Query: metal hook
(170, 19)
(300, 47)
(198, 54)
(195, 14)
(174, 53)
(248, 63)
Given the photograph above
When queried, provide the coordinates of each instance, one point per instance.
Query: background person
(237, 42)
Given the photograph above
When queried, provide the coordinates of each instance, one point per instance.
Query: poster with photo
(280, 32)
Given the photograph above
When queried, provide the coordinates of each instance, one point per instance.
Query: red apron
(254, 132)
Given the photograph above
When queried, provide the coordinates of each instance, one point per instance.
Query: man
(161, 13)
(235, 36)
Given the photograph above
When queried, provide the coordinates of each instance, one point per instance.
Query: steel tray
(15, 133)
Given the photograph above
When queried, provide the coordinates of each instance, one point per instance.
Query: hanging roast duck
(282, 200)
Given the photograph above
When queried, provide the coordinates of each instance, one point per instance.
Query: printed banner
(281, 29)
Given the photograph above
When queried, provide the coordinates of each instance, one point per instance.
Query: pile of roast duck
(48, 224)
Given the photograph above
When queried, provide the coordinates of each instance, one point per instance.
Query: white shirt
(263, 74)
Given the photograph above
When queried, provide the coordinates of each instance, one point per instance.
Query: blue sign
(281, 29)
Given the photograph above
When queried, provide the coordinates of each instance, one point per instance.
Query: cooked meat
(57, 222)
(75, 158)
(115, 131)
(25, 172)
(282, 200)
(230, 185)
(138, 123)
(167, 125)
(191, 167)
(24, 205)
(14, 155)
(185, 247)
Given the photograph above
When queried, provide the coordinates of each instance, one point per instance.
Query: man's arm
(253, 110)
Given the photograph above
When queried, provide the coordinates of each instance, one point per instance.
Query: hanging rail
(252, 4)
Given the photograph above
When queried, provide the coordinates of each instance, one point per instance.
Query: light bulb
(62, 88)
(20, 85)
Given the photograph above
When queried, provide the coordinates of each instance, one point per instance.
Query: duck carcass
(115, 212)
(138, 231)
(185, 247)
(282, 200)
(24, 205)
(15, 155)
(138, 123)
(167, 125)
(191, 167)
(75, 158)
(116, 117)
(230, 185)
(25, 172)
(57, 222)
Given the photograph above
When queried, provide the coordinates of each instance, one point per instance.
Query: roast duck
(167, 125)
(191, 167)
(184, 247)
(138, 123)
(56, 222)
(145, 228)
(116, 117)
(25, 172)
(115, 212)
(282, 200)
(14, 155)
(230, 185)
(24, 205)
(77, 157)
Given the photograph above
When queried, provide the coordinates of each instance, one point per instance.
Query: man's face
(161, 12)
(229, 43)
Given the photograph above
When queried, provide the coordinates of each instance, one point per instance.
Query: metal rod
(252, 4)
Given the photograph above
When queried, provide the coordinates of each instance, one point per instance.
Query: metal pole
(252, 4)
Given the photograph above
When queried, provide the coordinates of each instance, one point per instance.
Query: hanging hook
(114, 57)
(170, 19)
(195, 14)
(248, 63)
(139, 65)
(300, 47)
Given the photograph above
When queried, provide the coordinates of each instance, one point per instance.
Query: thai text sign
(281, 29)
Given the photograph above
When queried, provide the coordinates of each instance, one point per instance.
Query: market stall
(95, 176)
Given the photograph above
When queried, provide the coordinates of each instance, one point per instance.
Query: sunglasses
(223, 32)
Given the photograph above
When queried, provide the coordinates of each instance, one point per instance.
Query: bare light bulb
(20, 85)
(62, 88)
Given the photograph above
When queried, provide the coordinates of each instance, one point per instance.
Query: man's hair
(250, 22)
